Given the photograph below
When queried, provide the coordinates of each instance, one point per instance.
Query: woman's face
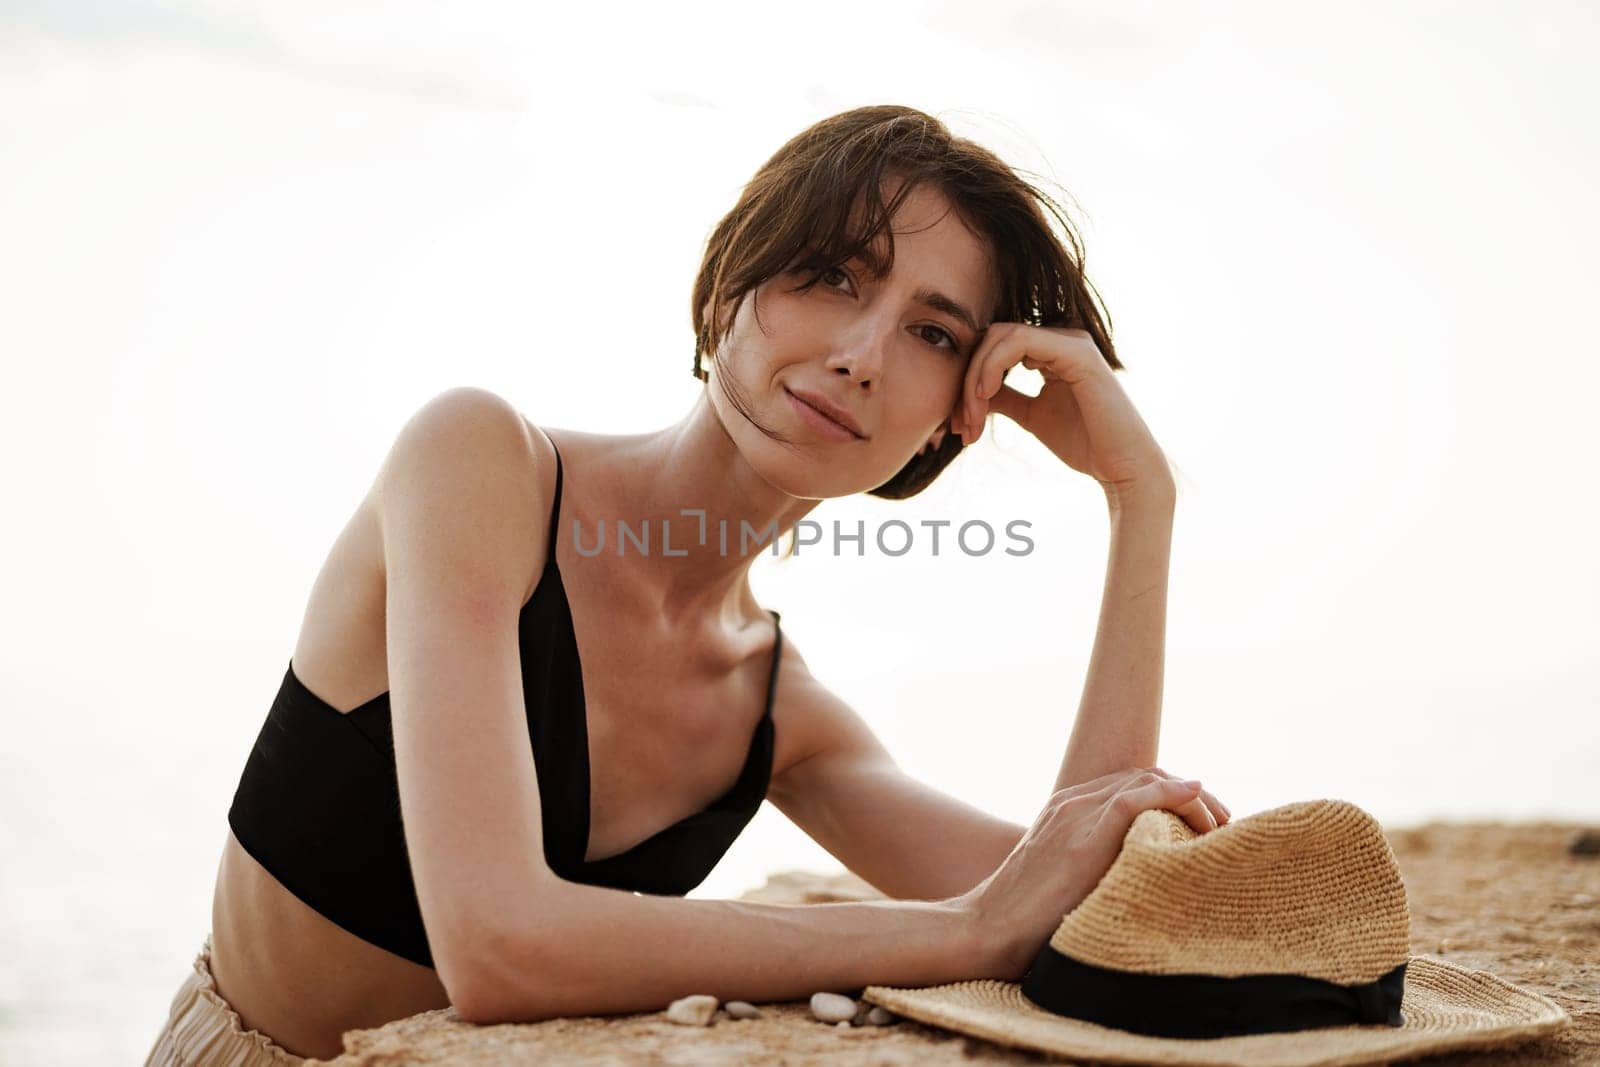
(883, 350)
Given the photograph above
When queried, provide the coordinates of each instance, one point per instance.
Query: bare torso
(669, 717)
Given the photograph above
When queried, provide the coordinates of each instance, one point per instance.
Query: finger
(1006, 401)
(1055, 353)
(987, 367)
(1197, 815)
(1169, 794)
(1220, 816)
(1213, 808)
(964, 394)
(1011, 350)
(1219, 810)
(1048, 351)
(1123, 781)
(995, 339)
(1012, 404)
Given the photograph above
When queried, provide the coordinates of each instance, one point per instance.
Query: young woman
(855, 315)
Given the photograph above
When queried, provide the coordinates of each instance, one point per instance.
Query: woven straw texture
(1310, 888)
(1446, 1008)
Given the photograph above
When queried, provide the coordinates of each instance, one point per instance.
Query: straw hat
(1277, 939)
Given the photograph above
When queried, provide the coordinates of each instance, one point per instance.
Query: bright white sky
(1349, 255)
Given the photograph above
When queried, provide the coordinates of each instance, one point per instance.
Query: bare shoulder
(466, 423)
(470, 449)
(812, 720)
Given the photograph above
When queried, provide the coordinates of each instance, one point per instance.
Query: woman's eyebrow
(939, 302)
(930, 297)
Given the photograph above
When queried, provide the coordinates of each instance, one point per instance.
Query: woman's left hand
(1081, 414)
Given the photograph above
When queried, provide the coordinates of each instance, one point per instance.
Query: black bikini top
(318, 804)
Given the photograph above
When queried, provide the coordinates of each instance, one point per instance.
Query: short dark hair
(800, 204)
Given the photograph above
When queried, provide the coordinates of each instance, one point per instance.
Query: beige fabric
(203, 1030)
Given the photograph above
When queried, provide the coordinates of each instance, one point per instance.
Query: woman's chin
(817, 475)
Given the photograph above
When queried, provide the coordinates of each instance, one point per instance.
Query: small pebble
(842, 1024)
(695, 1010)
(1585, 843)
(741, 1009)
(832, 1007)
(879, 1016)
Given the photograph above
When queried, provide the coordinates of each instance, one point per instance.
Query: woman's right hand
(1061, 858)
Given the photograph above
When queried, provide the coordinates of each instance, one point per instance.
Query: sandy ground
(1508, 899)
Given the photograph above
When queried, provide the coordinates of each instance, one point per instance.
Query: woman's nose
(862, 354)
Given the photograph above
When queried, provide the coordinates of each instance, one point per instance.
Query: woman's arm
(843, 788)
(1083, 416)
(591, 950)
(1119, 716)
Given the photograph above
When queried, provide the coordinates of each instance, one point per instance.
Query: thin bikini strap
(555, 509)
(777, 652)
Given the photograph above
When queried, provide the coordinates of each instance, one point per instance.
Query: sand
(1506, 898)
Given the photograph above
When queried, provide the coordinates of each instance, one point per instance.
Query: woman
(855, 315)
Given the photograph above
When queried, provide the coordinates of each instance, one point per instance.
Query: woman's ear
(702, 359)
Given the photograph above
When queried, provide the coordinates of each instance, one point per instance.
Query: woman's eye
(823, 274)
(953, 346)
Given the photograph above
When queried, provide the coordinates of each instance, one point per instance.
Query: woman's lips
(820, 422)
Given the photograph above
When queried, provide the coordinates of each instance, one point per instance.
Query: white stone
(842, 1024)
(879, 1016)
(832, 1007)
(741, 1009)
(695, 1010)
